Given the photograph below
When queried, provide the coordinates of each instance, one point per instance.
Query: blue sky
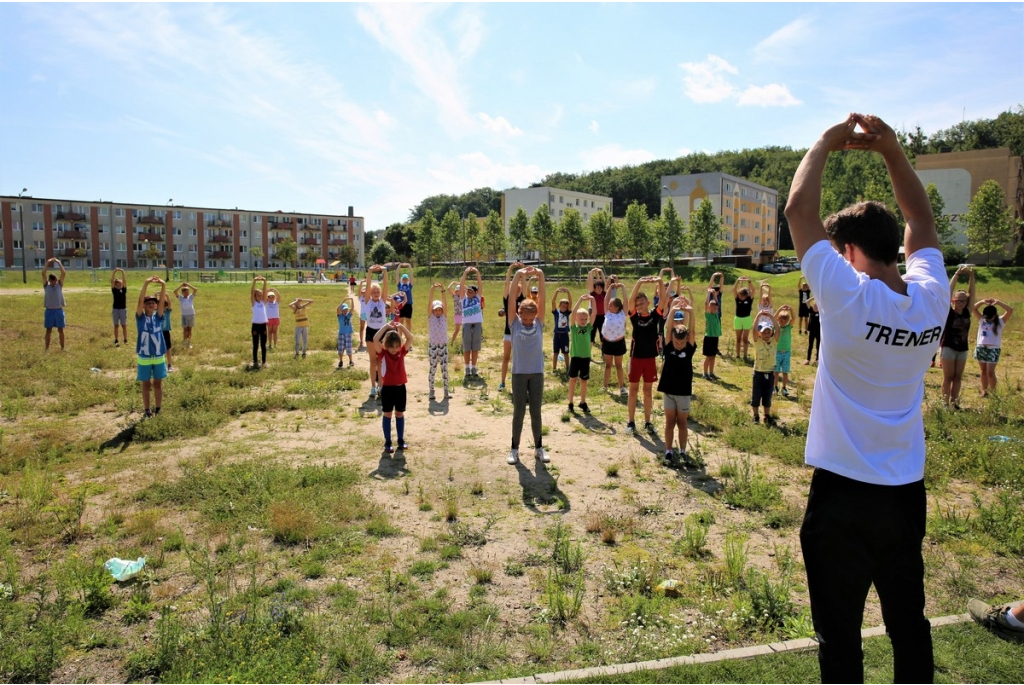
(315, 107)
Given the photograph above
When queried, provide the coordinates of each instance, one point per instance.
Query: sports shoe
(341, 365)
(705, 376)
(156, 410)
(117, 344)
(714, 377)
(513, 456)
(431, 397)
(584, 408)
(501, 387)
(541, 455)
(785, 392)
(630, 428)
(389, 448)
(403, 445)
(351, 364)
(623, 392)
(147, 414)
(994, 618)
(683, 458)
(572, 410)
(667, 458)
(373, 391)
(648, 426)
(303, 355)
(757, 418)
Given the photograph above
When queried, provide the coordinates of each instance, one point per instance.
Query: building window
(743, 238)
(757, 240)
(177, 247)
(104, 247)
(193, 248)
(177, 214)
(160, 214)
(36, 207)
(37, 226)
(119, 230)
(193, 232)
(104, 211)
(120, 248)
(256, 219)
(561, 200)
(119, 212)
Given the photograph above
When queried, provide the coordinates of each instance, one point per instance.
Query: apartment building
(106, 235)
(557, 200)
(958, 175)
(749, 211)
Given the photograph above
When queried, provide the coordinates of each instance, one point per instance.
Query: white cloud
(771, 95)
(683, 151)
(594, 127)
(470, 28)
(613, 155)
(783, 41)
(706, 81)
(499, 125)
(475, 169)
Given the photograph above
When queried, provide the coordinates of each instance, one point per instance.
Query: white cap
(436, 304)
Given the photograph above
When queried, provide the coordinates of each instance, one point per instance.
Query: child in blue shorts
(150, 347)
(784, 350)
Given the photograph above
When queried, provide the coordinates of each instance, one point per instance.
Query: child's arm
(407, 342)
(736, 286)
(540, 285)
(509, 273)
(554, 298)
(631, 301)
(276, 294)
(113, 277)
(517, 281)
(479, 284)
(977, 309)
(63, 273)
(162, 297)
(783, 308)
(691, 324)
(408, 271)
(380, 332)
(721, 279)
(970, 290)
(384, 282)
(462, 281)
(141, 307)
(1007, 310)
(590, 280)
(252, 289)
(579, 302)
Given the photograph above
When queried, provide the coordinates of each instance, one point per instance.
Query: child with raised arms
(472, 320)
(363, 296)
(613, 333)
(743, 320)
(803, 291)
(527, 366)
(258, 329)
(273, 316)
(376, 318)
(391, 357)
(712, 333)
(676, 383)
(344, 312)
(455, 290)
(298, 307)
(784, 351)
(765, 346)
(186, 294)
(437, 342)
(643, 350)
(506, 353)
(150, 347)
(119, 311)
(560, 329)
(579, 351)
(595, 286)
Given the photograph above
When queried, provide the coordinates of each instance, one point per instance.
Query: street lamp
(21, 223)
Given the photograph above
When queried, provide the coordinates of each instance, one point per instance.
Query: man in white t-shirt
(865, 518)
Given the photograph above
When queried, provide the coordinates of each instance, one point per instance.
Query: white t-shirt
(876, 345)
(187, 305)
(614, 326)
(375, 313)
(987, 335)
(259, 312)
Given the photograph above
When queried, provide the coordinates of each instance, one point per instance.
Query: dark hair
(53, 277)
(599, 284)
(990, 312)
(391, 338)
(617, 301)
(871, 226)
(680, 332)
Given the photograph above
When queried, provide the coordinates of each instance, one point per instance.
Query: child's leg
(739, 343)
(298, 336)
(631, 401)
(400, 426)
(670, 424)
(618, 371)
(47, 337)
(519, 396)
(263, 345)
(535, 388)
(785, 380)
(648, 394)
(158, 393)
(434, 355)
(444, 367)
(305, 339)
(386, 426)
(607, 370)
(60, 334)
(255, 345)
(506, 356)
(583, 391)
(572, 389)
(146, 385)
(684, 430)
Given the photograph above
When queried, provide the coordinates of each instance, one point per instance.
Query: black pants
(813, 340)
(855, 534)
(598, 322)
(259, 341)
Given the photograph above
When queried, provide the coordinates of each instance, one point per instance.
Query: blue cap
(405, 275)
(679, 316)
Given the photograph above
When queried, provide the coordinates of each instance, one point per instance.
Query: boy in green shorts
(150, 346)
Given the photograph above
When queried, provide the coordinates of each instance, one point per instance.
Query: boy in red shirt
(394, 341)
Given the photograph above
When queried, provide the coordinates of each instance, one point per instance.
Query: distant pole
(21, 223)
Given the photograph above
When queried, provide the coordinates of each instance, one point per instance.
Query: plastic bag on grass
(122, 569)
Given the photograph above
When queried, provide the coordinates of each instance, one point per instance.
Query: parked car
(774, 268)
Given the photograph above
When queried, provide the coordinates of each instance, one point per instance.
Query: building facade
(530, 199)
(958, 175)
(108, 235)
(749, 211)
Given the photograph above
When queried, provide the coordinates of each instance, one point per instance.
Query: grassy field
(280, 547)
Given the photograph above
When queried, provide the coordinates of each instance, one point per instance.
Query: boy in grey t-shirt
(527, 330)
(53, 300)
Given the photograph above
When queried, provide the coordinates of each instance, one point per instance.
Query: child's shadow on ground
(541, 493)
(696, 476)
(594, 424)
(437, 407)
(370, 408)
(390, 466)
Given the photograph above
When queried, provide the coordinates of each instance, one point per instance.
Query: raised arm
(609, 291)
(631, 301)
(479, 282)
(1007, 309)
(141, 307)
(517, 282)
(161, 299)
(720, 277)
(509, 273)
(554, 297)
(783, 308)
(383, 282)
(408, 270)
(407, 341)
(712, 296)
(462, 281)
(540, 284)
(113, 277)
(736, 286)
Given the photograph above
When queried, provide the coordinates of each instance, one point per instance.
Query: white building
(557, 200)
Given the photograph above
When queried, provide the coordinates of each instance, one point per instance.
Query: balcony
(337, 241)
(149, 238)
(220, 254)
(310, 241)
(73, 252)
(219, 223)
(219, 239)
(275, 241)
(70, 216)
(73, 235)
(149, 221)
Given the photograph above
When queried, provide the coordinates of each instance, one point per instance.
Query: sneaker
(623, 392)
(303, 355)
(757, 418)
(994, 618)
(341, 365)
(403, 445)
(785, 392)
(513, 456)
(572, 410)
(501, 387)
(714, 377)
(649, 427)
(630, 428)
(431, 397)
(147, 414)
(117, 344)
(775, 390)
(684, 458)
(373, 391)
(541, 455)
(705, 376)
(389, 448)
(584, 408)
(667, 458)
(156, 410)
(351, 364)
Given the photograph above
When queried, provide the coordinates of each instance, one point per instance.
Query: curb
(799, 645)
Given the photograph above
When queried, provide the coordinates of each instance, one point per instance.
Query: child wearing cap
(437, 342)
(560, 332)
(150, 346)
(405, 287)
(345, 332)
(765, 346)
(676, 381)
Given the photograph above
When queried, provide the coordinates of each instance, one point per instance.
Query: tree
(426, 238)
(383, 252)
(670, 233)
(471, 236)
(943, 225)
(348, 254)
(706, 231)
(990, 226)
(603, 239)
(402, 237)
(542, 228)
(519, 233)
(572, 236)
(494, 235)
(257, 254)
(286, 251)
(638, 234)
(451, 229)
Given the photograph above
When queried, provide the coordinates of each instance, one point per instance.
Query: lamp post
(21, 224)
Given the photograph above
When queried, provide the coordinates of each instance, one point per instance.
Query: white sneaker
(541, 455)
(513, 457)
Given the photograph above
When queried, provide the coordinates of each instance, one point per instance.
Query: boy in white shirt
(865, 518)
